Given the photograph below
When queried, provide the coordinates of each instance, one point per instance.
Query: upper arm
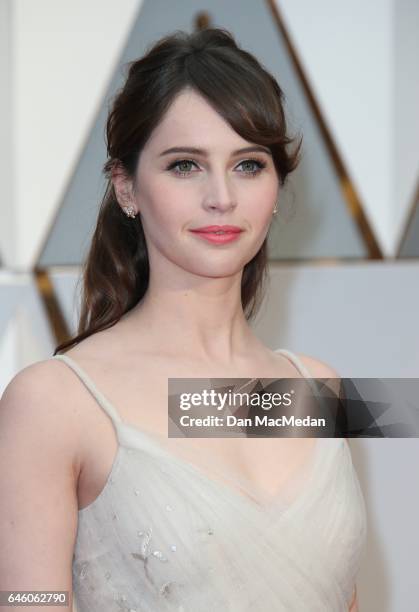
(38, 484)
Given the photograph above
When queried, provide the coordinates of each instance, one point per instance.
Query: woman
(196, 138)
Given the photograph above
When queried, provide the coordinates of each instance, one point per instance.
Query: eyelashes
(174, 166)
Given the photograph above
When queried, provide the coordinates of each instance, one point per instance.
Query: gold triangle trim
(409, 220)
(52, 306)
(350, 195)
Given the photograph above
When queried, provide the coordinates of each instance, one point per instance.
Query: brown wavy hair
(115, 274)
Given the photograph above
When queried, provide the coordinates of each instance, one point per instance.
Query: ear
(123, 187)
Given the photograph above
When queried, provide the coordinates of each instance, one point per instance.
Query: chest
(263, 464)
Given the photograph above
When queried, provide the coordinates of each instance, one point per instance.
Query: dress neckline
(267, 502)
(132, 436)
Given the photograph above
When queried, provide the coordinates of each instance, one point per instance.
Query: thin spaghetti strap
(305, 373)
(297, 362)
(100, 398)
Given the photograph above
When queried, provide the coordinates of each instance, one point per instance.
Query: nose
(220, 196)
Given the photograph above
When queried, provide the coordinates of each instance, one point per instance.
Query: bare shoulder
(321, 369)
(39, 399)
(317, 367)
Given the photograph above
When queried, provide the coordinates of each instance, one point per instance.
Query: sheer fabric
(174, 531)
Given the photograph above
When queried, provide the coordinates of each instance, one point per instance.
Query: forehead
(191, 120)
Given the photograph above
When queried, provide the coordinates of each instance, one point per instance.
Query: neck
(206, 322)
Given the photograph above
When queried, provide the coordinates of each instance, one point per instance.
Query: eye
(181, 163)
(253, 162)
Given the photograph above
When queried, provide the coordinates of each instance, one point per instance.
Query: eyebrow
(204, 153)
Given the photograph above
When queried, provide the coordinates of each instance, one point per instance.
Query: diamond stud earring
(129, 211)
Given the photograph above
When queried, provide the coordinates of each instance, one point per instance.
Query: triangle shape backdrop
(314, 218)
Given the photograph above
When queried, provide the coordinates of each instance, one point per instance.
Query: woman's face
(178, 191)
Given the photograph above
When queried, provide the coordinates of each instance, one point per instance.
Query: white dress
(165, 534)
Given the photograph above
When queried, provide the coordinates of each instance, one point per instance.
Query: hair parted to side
(115, 273)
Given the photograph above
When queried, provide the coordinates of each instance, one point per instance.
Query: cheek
(162, 207)
(259, 199)
(258, 214)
